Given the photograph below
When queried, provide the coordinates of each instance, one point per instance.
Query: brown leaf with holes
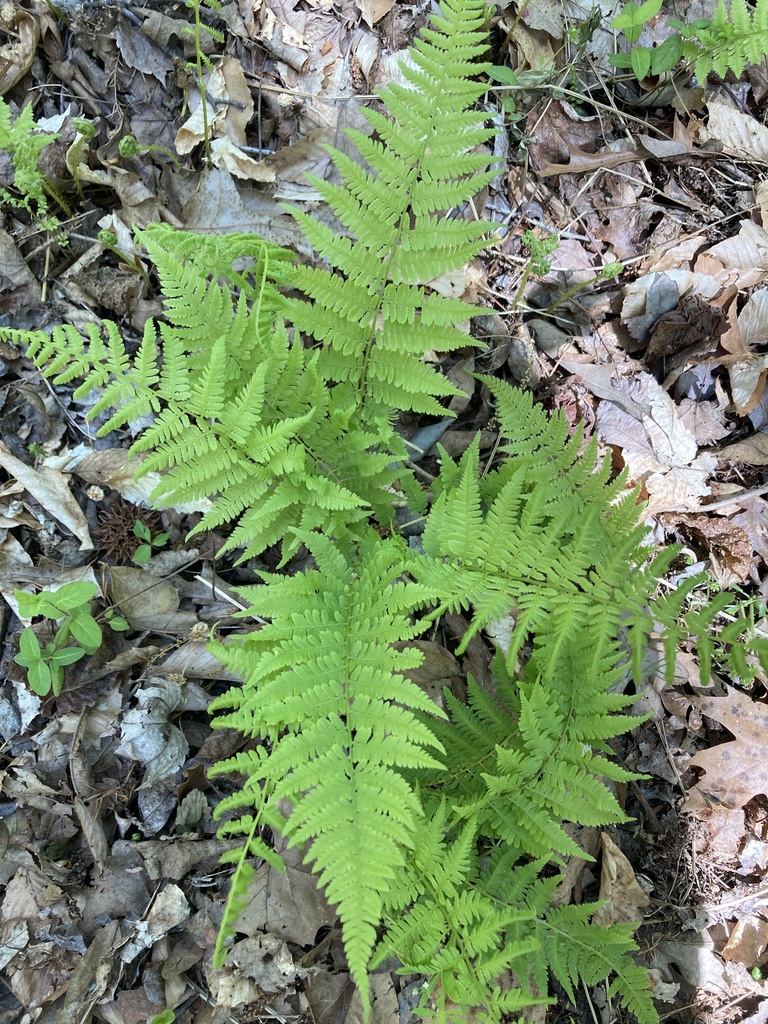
(729, 546)
(738, 770)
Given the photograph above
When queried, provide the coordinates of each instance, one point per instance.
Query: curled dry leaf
(51, 489)
(624, 899)
(16, 57)
(741, 135)
(729, 546)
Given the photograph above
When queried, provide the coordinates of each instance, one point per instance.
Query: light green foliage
(442, 829)
(324, 685)
(721, 627)
(69, 607)
(736, 35)
(22, 139)
(143, 552)
(544, 535)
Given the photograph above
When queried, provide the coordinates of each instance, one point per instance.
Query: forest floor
(109, 871)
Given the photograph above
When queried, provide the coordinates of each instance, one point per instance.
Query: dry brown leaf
(230, 109)
(581, 162)
(287, 903)
(754, 521)
(283, 40)
(623, 897)
(149, 602)
(16, 56)
(704, 420)
(680, 143)
(753, 451)
(747, 250)
(736, 771)
(374, 10)
(730, 549)
(51, 489)
(659, 451)
(748, 941)
(112, 467)
(545, 16)
(741, 134)
(19, 284)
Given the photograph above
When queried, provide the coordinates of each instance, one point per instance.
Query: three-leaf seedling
(143, 552)
(69, 607)
(688, 43)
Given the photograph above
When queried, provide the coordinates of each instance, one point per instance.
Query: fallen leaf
(741, 135)
(149, 602)
(748, 941)
(51, 489)
(729, 546)
(623, 897)
(746, 250)
(374, 10)
(753, 451)
(581, 162)
(17, 55)
(735, 771)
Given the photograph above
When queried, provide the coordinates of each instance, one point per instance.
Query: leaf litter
(112, 891)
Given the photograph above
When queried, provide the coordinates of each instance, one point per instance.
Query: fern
(372, 310)
(439, 829)
(337, 712)
(22, 139)
(735, 37)
(540, 537)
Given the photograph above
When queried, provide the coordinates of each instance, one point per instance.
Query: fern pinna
(735, 36)
(436, 836)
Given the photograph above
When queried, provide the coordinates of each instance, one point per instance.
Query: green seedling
(539, 263)
(115, 621)
(130, 146)
(644, 60)
(69, 607)
(22, 139)
(143, 552)
(166, 1017)
(109, 240)
(732, 39)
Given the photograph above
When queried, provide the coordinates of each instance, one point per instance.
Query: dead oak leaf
(738, 770)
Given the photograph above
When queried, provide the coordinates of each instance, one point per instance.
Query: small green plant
(130, 146)
(115, 621)
(25, 142)
(202, 61)
(539, 264)
(69, 607)
(109, 240)
(730, 40)
(37, 451)
(723, 629)
(143, 552)
(166, 1017)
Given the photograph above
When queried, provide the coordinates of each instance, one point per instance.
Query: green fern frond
(325, 685)
(456, 928)
(392, 210)
(736, 36)
(577, 949)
